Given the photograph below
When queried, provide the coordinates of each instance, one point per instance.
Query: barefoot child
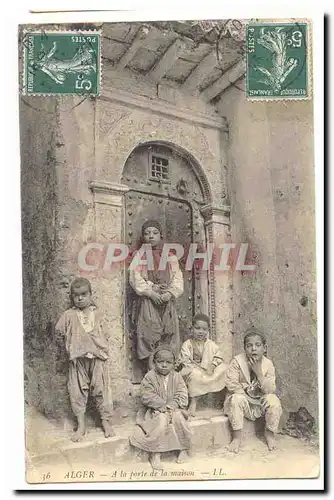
(202, 364)
(157, 288)
(163, 427)
(250, 380)
(87, 348)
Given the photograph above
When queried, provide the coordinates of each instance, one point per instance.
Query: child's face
(200, 330)
(254, 347)
(164, 362)
(81, 297)
(152, 236)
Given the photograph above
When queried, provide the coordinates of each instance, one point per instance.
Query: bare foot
(155, 461)
(182, 457)
(78, 435)
(192, 407)
(108, 429)
(271, 440)
(81, 430)
(234, 446)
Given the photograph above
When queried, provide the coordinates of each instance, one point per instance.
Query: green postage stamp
(277, 61)
(62, 63)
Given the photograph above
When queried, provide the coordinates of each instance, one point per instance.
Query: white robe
(238, 379)
(250, 398)
(206, 374)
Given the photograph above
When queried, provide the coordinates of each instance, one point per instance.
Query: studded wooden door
(164, 187)
(176, 220)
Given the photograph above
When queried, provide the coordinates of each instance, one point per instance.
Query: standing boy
(87, 348)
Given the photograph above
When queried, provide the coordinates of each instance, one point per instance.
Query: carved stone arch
(189, 158)
(200, 145)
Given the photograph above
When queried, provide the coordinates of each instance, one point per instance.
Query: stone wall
(44, 376)
(57, 217)
(271, 188)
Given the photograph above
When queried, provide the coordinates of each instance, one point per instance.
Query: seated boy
(163, 426)
(250, 380)
(201, 362)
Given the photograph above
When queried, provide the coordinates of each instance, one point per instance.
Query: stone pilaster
(110, 286)
(220, 283)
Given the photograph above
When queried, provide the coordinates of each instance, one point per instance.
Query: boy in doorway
(201, 362)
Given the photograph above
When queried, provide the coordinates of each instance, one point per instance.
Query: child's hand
(156, 298)
(166, 296)
(256, 367)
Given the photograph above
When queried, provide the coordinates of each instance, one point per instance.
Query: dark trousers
(89, 376)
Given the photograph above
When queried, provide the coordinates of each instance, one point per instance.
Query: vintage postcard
(169, 258)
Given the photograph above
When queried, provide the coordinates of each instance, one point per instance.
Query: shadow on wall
(45, 376)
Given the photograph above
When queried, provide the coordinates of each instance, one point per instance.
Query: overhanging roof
(198, 57)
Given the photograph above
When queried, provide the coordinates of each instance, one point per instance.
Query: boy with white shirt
(250, 380)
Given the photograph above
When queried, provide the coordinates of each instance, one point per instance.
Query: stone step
(210, 432)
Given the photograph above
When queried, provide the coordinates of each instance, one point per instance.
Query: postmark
(63, 62)
(277, 61)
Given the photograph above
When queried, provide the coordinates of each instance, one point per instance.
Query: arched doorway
(166, 183)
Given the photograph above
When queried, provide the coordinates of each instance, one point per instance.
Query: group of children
(169, 390)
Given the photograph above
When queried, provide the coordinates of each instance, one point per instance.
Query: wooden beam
(229, 77)
(201, 70)
(166, 61)
(136, 43)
